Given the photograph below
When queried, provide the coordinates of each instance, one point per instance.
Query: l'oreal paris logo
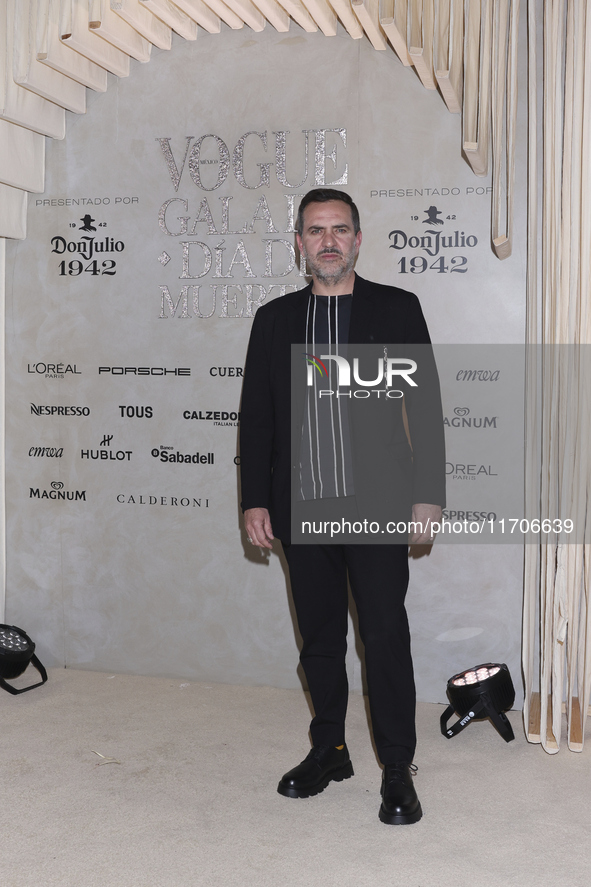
(388, 368)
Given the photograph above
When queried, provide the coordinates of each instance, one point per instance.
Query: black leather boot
(400, 804)
(324, 764)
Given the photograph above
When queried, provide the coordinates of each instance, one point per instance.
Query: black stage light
(485, 691)
(16, 651)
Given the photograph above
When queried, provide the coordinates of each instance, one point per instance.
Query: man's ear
(300, 244)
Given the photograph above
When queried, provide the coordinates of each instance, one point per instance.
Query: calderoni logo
(217, 417)
(169, 455)
(37, 410)
(58, 493)
(144, 371)
(47, 452)
(151, 500)
(53, 370)
(463, 419)
(468, 471)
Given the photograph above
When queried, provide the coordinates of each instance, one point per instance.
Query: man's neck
(342, 288)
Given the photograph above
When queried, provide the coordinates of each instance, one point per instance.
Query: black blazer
(379, 315)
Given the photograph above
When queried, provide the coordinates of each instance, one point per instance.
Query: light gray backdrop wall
(144, 568)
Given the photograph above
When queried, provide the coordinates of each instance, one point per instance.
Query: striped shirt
(326, 466)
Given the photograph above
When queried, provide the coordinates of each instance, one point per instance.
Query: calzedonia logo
(58, 493)
(53, 370)
(169, 454)
(217, 417)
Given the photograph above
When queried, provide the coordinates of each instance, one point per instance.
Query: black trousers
(378, 575)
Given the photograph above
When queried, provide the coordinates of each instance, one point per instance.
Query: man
(339, 307)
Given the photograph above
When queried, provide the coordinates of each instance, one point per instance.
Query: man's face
(328, 241)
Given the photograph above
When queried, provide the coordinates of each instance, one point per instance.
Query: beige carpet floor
(193, 798)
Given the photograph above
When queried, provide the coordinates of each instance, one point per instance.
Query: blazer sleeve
(425, 415)
(257, 417)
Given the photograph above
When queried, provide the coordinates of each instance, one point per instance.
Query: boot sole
(400, 818)
(336, 776)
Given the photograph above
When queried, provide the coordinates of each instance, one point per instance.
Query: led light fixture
(485, 691)
(17, 650)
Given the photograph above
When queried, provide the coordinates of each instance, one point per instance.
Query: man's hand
(258, 527)
(423, 514)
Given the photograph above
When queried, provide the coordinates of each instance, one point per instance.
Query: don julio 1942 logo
(434, 247)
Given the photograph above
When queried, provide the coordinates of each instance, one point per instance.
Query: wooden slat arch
(51, 51)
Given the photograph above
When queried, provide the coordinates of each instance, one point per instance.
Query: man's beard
(332, 278)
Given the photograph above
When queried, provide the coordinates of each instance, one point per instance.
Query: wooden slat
(347, 18)
(299, 14)
(575, 732)
(392, 15)
(31, 73)
(13, 212)
(421, 17)
(551, 742)
(477, 74)
(249, 14)
(274, 13)
(533, 725)
(18, 105)
(500, 31)
(323, 15)
(52, 53)
(112, 28)
(195, 9)
(171, 15)
(448, 51)
(367, 11)
(75, 33)
(22, 158)
(144, 22)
